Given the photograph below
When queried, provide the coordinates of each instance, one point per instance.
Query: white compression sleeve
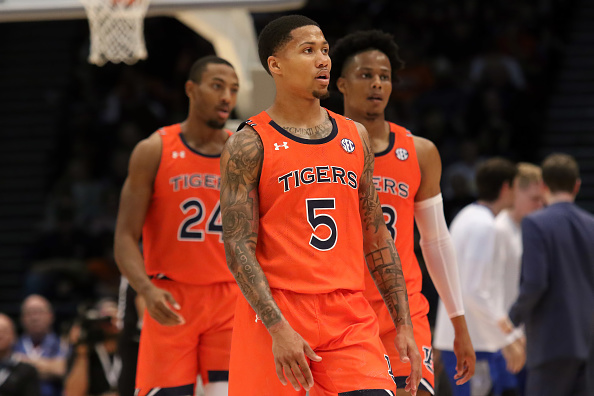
(438, 252)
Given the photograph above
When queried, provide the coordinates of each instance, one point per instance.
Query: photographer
(95, 365)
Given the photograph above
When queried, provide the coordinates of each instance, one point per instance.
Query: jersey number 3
(390, 216)
(315, 220)
(188, 230)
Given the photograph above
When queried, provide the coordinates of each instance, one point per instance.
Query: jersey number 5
(315, 220)
(187, 230)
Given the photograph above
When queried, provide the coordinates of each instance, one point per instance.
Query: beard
(214, 124)
(321, 94)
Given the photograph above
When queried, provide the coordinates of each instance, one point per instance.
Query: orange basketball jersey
(310, 238)
(397, 177)
(183, 233)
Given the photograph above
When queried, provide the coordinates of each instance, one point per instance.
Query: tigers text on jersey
(310, 238)
(397, 178)
(182, 233)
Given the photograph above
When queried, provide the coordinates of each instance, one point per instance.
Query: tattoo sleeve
(380, 253)
(241, 164)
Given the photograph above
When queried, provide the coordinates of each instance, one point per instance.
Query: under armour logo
(258, 319)
(278, 146)
(181, 154)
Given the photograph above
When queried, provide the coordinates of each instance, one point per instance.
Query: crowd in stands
(476, 81)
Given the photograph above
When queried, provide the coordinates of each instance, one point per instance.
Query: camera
(95, 328)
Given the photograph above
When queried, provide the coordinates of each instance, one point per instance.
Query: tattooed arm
(385, 267)
(241, 165)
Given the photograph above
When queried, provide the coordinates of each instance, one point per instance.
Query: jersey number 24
(189, 230)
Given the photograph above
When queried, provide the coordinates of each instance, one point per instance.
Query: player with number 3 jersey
(406, 176)
(171, 196)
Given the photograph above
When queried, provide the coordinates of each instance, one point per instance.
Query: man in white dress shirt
(474, 235)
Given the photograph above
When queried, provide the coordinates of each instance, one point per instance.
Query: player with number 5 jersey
(171, 196)
(300, 213)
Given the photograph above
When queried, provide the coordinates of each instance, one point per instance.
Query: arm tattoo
(368, 198)
(386, 270)
(241, 164)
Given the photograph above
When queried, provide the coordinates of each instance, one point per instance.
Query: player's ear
(274, 65)
(188, 87)
(341, 84)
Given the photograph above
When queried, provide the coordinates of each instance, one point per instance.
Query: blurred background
(482, 78)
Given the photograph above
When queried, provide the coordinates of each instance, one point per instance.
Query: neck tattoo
(317, 132)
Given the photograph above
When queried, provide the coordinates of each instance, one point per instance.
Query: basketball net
(117, 30)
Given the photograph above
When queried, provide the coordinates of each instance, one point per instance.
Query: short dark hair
(560, 172)
(278, 33)
(200, 66)
(355, 43)
(491, 175)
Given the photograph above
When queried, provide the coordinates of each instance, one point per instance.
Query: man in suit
(556, 297)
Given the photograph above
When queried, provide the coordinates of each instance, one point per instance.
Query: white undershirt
(509, 248)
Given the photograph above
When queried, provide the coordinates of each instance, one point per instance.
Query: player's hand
(408, 351)
(505, 325)
(465, 358)
(515, 356)
(160, 304)
(289, 350)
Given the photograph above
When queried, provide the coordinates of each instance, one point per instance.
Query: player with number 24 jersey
(171, 196)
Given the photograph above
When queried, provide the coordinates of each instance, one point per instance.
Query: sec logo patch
(348, 145)
(401, 154)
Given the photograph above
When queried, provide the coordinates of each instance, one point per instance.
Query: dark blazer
(556, 300)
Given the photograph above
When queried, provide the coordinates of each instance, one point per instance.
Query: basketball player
(171, 196)
(407, 175)
(299, 214)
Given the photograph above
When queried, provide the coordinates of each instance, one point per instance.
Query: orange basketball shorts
(340, 327)
(173, 356)
(422, 333)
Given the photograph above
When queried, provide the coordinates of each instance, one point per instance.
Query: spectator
(557, 287)
(40, 346)
(473, 233)
(95, 365)
(16, 378)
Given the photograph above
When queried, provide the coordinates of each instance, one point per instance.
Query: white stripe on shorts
(153, 392)
(428, 386)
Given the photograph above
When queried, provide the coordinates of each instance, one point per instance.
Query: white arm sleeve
(438, 252)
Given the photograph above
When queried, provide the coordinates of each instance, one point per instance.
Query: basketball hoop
(116, 30)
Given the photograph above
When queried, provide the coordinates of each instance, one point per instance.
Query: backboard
(35, 10)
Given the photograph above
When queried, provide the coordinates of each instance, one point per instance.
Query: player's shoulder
(150, 146)
(427, 155)
(146, 156)
(423, 144)
(246, 140)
